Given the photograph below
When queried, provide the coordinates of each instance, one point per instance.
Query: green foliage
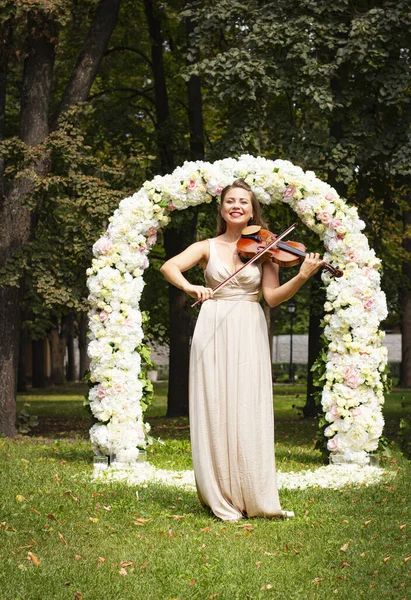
(26, 421)
(74, 202)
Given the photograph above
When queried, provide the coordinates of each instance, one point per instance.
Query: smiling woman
(231, 397)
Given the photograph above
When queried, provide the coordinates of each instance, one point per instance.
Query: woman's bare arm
(274, 293)
(173, 269)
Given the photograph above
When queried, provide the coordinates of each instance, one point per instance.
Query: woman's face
(237, 208)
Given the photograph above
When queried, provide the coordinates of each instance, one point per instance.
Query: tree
(17, 214)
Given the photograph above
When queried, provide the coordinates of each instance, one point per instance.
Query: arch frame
(356, 360)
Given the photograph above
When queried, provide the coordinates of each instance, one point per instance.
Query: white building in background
(281, 349)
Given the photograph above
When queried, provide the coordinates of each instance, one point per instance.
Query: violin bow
(256, 257)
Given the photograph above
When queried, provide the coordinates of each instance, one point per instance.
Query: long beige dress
(231, 403)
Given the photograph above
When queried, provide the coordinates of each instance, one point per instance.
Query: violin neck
(291, 249)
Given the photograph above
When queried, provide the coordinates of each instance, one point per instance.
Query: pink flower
(351, 377)
(171, 206)
(103, 316)
(289, 191)
(151, 240)
(118, 387)
(352, 255)
(324, 217)
(151, 231)
(191, 184)
(334, 412)
(367, 304)
(334, 223)
(103, 246)
(101, 393)
(218, 190)
(332, 445)
(329, 196)
(356, 412)
(366, 271)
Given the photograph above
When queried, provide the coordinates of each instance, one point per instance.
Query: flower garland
(356, 359)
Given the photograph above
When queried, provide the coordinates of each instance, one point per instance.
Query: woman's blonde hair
(256, 219)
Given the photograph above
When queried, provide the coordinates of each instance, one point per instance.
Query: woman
(231, 405)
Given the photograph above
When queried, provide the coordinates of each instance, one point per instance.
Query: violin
(285, 254)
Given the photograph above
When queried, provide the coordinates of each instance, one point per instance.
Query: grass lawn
(63, 536)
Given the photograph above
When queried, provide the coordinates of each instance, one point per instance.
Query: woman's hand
(199, 292)
(312, 263)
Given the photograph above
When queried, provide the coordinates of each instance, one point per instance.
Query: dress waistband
(236, 297)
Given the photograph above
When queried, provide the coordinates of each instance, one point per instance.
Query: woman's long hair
(257, 218)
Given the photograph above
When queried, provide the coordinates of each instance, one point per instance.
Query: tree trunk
(71, 366)
(82, 344)
(195, 102)
(405, 373)
(22, 368)
(90, 58)
(58, 342)
(5, 47)
(164, 133)
(180, 326)
(38, 364)
(15, 216)
(311, 409)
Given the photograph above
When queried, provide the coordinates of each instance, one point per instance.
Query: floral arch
(352, 396)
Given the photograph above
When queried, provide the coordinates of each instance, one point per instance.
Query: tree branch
(88, 63)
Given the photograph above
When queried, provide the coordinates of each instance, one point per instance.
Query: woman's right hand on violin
(199, 292)
(312, 263)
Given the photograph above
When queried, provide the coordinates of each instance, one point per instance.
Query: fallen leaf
(317, 580)
(402, 526)
(362, 554)
(345, 547)
(51, 517)
(101, 560)
(387, 558)
(122, 571)
(192, 581)
(71, 495)
(213, 596)
(127, 563)
(344, 522)
(205, 529)
(61, 538)
(407, 559)
(142, 521)
(107, 507)
(267, 587)
(33, 510)
(258, 564)
(296, 551)
(345, 564)
(78, 596)
(176, 517)
(21, 498)
(247, 527)
(67, 583)
(93, 520)
(77, 556)
(271, 553)
(367, 522)
(144, 564)
(34, 559)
